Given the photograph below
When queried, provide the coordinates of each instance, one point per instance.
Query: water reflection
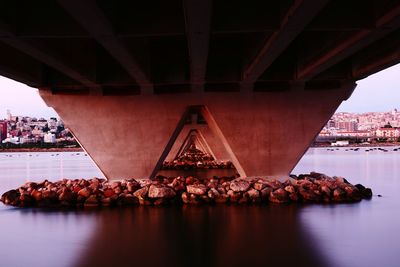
(201, 236)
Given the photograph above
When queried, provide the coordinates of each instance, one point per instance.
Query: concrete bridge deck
(269, 74)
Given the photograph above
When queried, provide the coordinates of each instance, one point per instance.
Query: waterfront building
(3, 130)
(388, 132)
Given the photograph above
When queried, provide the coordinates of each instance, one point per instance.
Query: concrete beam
(198, 23)
(92, 18)
(293, 23)
(384, 25)
(8, 37)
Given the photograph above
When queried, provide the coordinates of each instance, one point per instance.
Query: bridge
(265, 76)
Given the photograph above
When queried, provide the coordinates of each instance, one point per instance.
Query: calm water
(362, 234)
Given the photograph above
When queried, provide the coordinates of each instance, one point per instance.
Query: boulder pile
(310, 188)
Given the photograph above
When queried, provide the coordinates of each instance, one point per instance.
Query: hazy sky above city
(379, 92)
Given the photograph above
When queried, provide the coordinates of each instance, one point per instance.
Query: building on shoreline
(363, 126)
(25, 130)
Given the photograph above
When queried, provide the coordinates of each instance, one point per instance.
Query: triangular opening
(197, 148)
(194, 148)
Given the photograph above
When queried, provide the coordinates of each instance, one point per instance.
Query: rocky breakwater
(310, 188)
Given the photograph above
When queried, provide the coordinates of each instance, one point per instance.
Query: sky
(378, 92)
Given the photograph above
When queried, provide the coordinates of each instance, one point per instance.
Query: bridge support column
(267, 132)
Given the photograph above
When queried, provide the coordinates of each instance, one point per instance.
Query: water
(362, 234)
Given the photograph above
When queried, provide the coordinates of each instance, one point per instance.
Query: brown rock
(132, 186)
(253, 195)
(128, 199)
(76, 188)
(367, 193)
(11, 197)
(239, 185)
(144, 182)
(37, 195)
(85, 192)
(294, 197)
(115, 184)
(260, 184)
(234, 197)
(339, 195)
(161, 191)
(66, 196)
(91, 201)
(160, 201)
(290, 189)
(309, 195)
(49, 195)
(185, 197)
(279, 196)
(141, 193)
(26, 200)
(222, 198)
(265, 192)
(108, 192)
(197, 189)
(213, 193)
(325, 190)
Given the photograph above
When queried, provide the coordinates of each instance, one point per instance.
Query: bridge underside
(268, 74)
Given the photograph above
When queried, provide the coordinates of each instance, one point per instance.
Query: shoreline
(359, 145)
(37, 149)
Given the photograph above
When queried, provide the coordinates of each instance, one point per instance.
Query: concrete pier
(263, 134)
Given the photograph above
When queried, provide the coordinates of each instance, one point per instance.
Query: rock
(128, 199)
(76, 188)
(360, 187)
(326, 190)
(49, 195)
(309, 195)
(115, 185)
(265, 192)
(279, 196)
(85, 192)
(189, 180)
(37, 195)
(197, 189)
(339, 195)
(108, 192)
(194, 199)
(185, 197)
(158, 191)
(141, 193)
(66, 196)
(234, 197)
(91, 201)
(26, 200)
(290, 189)
(221, 189)
(366, 193)
(260, 184)
(294, 197)
(253, 195)
(11, 197)
(132, 186)
(213, 193)
(144, 182)
(239, 185)
(222, 198)
(160, 201)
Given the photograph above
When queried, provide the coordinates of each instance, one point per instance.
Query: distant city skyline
(376, 93)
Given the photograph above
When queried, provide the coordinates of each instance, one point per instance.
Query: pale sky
(379, 92)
